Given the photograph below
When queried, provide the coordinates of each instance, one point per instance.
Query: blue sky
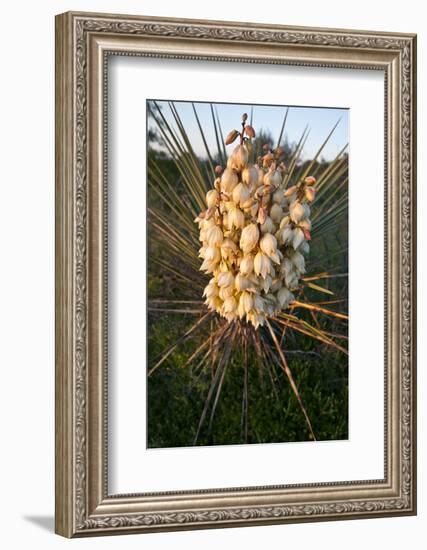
(268, 118)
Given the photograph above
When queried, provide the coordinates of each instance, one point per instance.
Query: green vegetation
(210, 387)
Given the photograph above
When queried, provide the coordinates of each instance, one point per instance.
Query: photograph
(247, 273)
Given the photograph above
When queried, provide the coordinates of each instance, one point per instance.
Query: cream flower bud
(247, 265)
(287, 266)
(273, 177)
(298, 237)
(214, 303)
(208, 266)
(249, 237)
(254, 209)
(214, 236)
(305, 224)
(255, 319)
(241, 194)
(211, 289)
(284, 297)
(223, 268)
(212, 197)
(261, 175)
(246, 301)
(259, 304)
(278, 197)
(271, 303)
(262, 264)
(206, 224)
(287, 235)
(284, 221)
(225, 279)
(226, 221)
(229, 180)
(310, 193)
(297, 211)
(230, 316)
(212, 254)
(267, 226)
(247, 204)
(291, 280)
(238, 158)
(266, 283)
(242, 283)
(225, 292)
(236, 218)
(230, 305)
(276, 213)
(250, 176)
(304, 247)
(268, 244)
(228, 248)
(298, 261)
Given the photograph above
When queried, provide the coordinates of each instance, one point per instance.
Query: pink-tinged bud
(249, 131)
(310, 193)
(290, 191)
(231, 137)
(307, 234)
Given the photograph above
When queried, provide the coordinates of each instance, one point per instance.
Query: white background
(27, 245)
(133, 468)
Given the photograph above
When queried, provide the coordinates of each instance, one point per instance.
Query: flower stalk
(255, 234)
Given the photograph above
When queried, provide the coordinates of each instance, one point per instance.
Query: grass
(176, 395)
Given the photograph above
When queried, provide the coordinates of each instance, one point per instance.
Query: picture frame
(84, 42)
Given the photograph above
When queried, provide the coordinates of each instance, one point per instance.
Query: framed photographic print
(235, 274)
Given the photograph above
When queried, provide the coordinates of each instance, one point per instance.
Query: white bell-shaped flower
(249, 237)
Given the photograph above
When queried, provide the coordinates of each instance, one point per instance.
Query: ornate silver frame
(83, 42)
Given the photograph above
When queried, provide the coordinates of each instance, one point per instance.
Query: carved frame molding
(83, 43)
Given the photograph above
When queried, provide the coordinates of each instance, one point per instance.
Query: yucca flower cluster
(254, 233)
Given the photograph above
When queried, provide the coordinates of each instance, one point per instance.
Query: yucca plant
(247, 264)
